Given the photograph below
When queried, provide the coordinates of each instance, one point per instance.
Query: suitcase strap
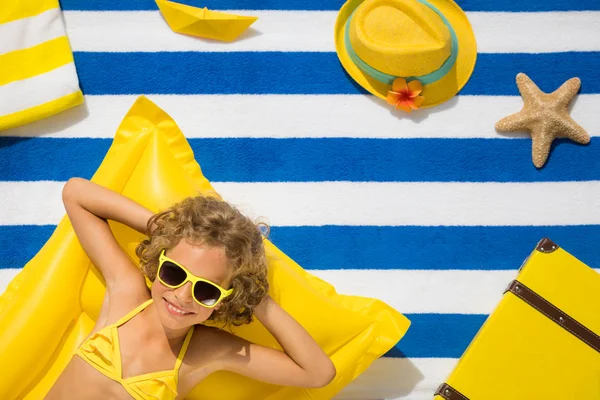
(555, 314)
(536, 301)
(449, 393)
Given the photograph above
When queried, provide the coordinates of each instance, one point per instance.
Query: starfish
(545, 116)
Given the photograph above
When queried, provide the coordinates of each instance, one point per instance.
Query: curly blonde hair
(213, 222)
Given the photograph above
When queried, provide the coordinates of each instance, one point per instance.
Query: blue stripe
(322, 159)
(428, 247)
(327, 5)
(295, 73)
(438, 335)
(379, 247)
(20, 243)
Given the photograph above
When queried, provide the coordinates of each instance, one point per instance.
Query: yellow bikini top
(102, 351)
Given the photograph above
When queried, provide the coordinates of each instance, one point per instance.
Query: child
(207, 262)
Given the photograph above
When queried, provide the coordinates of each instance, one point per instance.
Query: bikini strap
(132, 313)
(186, 343)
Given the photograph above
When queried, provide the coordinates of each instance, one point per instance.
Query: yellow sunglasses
(172, 274)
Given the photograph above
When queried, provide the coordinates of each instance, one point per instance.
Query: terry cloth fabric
(432, 212)
(37, 72)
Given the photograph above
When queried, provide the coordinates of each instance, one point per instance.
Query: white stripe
(399, 379)
(418, 203)
(7, 275)
(409, 291)
(361, 203)
(21, 95)
(31, 31)
(536, 32)
(313, 31)
(282, 116)
(424, 291)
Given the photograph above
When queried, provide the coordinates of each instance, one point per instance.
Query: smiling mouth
(174, 310)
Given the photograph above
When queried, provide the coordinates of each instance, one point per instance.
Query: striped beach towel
(37, 73)
(432, 212)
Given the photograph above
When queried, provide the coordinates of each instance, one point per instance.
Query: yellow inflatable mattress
(53, 303)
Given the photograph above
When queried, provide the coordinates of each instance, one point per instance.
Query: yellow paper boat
(203, 22)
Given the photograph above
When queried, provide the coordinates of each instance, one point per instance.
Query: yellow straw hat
(413, 53)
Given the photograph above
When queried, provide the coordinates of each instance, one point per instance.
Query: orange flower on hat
(405, 96)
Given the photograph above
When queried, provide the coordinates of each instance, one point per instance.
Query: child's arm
(303, 363)
(89, 206)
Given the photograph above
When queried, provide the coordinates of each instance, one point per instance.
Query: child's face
(205, 262)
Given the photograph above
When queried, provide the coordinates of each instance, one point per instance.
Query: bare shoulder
(207, 346)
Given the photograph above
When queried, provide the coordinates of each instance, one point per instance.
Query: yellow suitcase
(541, 342)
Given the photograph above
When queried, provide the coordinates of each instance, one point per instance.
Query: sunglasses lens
(206, 293)
(171, 274)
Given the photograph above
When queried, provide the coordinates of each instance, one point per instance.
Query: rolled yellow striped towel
(37, 72)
